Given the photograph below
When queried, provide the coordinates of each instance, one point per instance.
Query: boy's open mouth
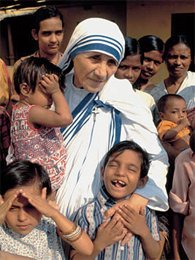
(119, 184)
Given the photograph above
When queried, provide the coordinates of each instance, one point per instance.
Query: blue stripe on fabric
(96, 41)
(82, 113)
(96, 46)
(97, 38)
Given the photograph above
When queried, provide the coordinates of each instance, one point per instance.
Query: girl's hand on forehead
(49, 84)
(40, 203)
(6, 205)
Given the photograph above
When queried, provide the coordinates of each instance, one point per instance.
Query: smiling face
(22, 216)
(129, 68)
(178, 60)
(151, 64)
(174, 111)
(121, 174)
(92, 70)
(49, 36)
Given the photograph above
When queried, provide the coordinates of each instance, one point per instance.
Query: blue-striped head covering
(94, 34)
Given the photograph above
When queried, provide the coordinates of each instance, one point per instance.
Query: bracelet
(77, 238)
(70, 231)
(73, 234)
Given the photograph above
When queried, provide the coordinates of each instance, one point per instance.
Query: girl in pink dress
(35, 135)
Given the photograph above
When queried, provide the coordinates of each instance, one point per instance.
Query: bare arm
(7, 256)
(171, 133)
(80, 242)
(42, 116)
(176, 234)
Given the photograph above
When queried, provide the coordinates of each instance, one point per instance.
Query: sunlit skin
(151, 64)
(49, 37)
(174, 111)
(22, 217)
(178, 60)
(92, 70)
(129, 68)
(121, 175)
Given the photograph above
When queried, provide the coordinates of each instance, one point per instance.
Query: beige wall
(152, 17)
(74, 15)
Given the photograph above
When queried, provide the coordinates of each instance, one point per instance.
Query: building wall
(136, 18)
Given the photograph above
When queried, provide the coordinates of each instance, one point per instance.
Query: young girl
(34, 135)
(181, 201)
(152, 49)
(130, 68)
(28, 221)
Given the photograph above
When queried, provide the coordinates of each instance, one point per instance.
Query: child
(28, 221)
(182, 200)
(34, 135)
(130, 68)
(174, 125)
(48, 32)
(125, 169)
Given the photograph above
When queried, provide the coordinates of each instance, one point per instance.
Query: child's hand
(110, 232)
(132, 220)
(40, 203)
(49, 84)
(185, 122)
(5, 206)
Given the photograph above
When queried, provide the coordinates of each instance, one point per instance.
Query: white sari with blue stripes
(121, 115)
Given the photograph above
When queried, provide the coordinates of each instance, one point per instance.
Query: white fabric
(186, 90)
(137, 125)
(93, 34)
(147, 98)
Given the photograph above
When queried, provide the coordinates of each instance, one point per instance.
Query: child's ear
(102, 173)
(24, 89)
(161, 115)
(142, 182)
(34, 34)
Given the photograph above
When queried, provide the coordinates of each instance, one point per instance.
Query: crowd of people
(96, 161)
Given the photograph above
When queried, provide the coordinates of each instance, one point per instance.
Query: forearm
(97, 248)
(61, 108)
(171, 133)
(151, 247)
(81, 241)
(176, 234)
(7, 256)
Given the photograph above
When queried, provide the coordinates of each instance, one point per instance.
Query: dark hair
(174, 40)
(44, 13)
(163, 100)
(192, 141)
(149, 43)
(24, 173)
(131, 46)
(29, 70)
(130, 145)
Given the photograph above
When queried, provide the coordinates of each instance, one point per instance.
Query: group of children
(32, 226)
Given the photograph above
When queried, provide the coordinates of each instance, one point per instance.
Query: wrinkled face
(151, 64)
(178, 60)
(49, 36)
(22, 216)
(92, 70)
(175, 110)
(121, 175)
(129, 68)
